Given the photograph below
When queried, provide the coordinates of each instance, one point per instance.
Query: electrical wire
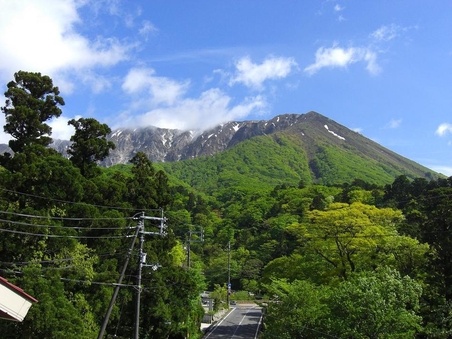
(65, 227)
(95, 282)
(77, 203)
(62, 218)
(24, 263)
(65, 236)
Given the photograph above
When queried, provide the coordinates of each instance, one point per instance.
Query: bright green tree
(346, 237)
(296, 311)
(370, 305)
(375, 305)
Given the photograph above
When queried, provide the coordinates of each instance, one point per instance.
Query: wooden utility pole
(229, 272)
(118, 286)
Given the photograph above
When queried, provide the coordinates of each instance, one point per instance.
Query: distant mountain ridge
(168, 145)
(321, 148)
(290, 149)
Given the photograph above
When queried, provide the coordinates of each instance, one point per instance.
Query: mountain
(293, 148)
(167, 145)
(285, 149)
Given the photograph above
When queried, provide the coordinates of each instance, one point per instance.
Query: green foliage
(333, 165)
(381, 305)
(89, 144)
(260, 162)
(31, 101)
(219, 296)
(347, 237)
(56, 314)
(145, 183)
(378, 304)
(296, 310)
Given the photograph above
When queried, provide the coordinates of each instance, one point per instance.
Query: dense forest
(345, 260)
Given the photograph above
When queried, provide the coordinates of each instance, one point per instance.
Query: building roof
(16, 289)
(14, 302)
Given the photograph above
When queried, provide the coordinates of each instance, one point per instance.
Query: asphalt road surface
(242, 322)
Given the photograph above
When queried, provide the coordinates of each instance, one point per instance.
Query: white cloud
(342, 57)
(165, 104)
(60, 129)
(159, 90)
(211, 108)
(254, 75)
(338, 9)
(49, 43)
(386, 33)
(4, 138)
(394, 123)
(443, 129)
(147, 28)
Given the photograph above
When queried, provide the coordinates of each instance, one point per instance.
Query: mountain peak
(315, 136)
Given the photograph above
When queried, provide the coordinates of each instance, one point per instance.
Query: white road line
(232, 310)
(258, 326)
(215, 327)
(240, 323)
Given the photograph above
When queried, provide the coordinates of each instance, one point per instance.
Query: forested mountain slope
(289, 147)
(314, 149)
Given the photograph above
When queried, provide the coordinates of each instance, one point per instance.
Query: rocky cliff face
(168, 145)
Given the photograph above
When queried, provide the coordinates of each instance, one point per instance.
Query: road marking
(218, 324)
(258, 325)
(231, 311)
(240, 323)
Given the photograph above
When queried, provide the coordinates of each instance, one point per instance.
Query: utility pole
(229, 272)
(140, 266)
(142, 262)
(188, 249)
(115, 293)
(189, 241)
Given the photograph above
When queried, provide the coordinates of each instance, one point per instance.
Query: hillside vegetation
(306, 152)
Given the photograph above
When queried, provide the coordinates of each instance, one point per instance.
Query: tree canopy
(89, 144)
(31, 100)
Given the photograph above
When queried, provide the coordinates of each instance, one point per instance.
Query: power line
(78, 280)
(65, 236)
(65, 227)
(76, 203)
(167, 284)
(24, 263)
(62, 218)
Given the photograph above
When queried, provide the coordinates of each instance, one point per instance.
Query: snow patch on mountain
(333, 133)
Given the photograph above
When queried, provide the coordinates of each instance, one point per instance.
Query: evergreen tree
(89, 145)
(31, 101)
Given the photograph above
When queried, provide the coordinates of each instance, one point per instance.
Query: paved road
(242, 322)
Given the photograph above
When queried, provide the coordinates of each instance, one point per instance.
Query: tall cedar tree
(89, 144)
(31, 100)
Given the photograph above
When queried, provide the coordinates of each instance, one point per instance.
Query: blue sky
(382, 68)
